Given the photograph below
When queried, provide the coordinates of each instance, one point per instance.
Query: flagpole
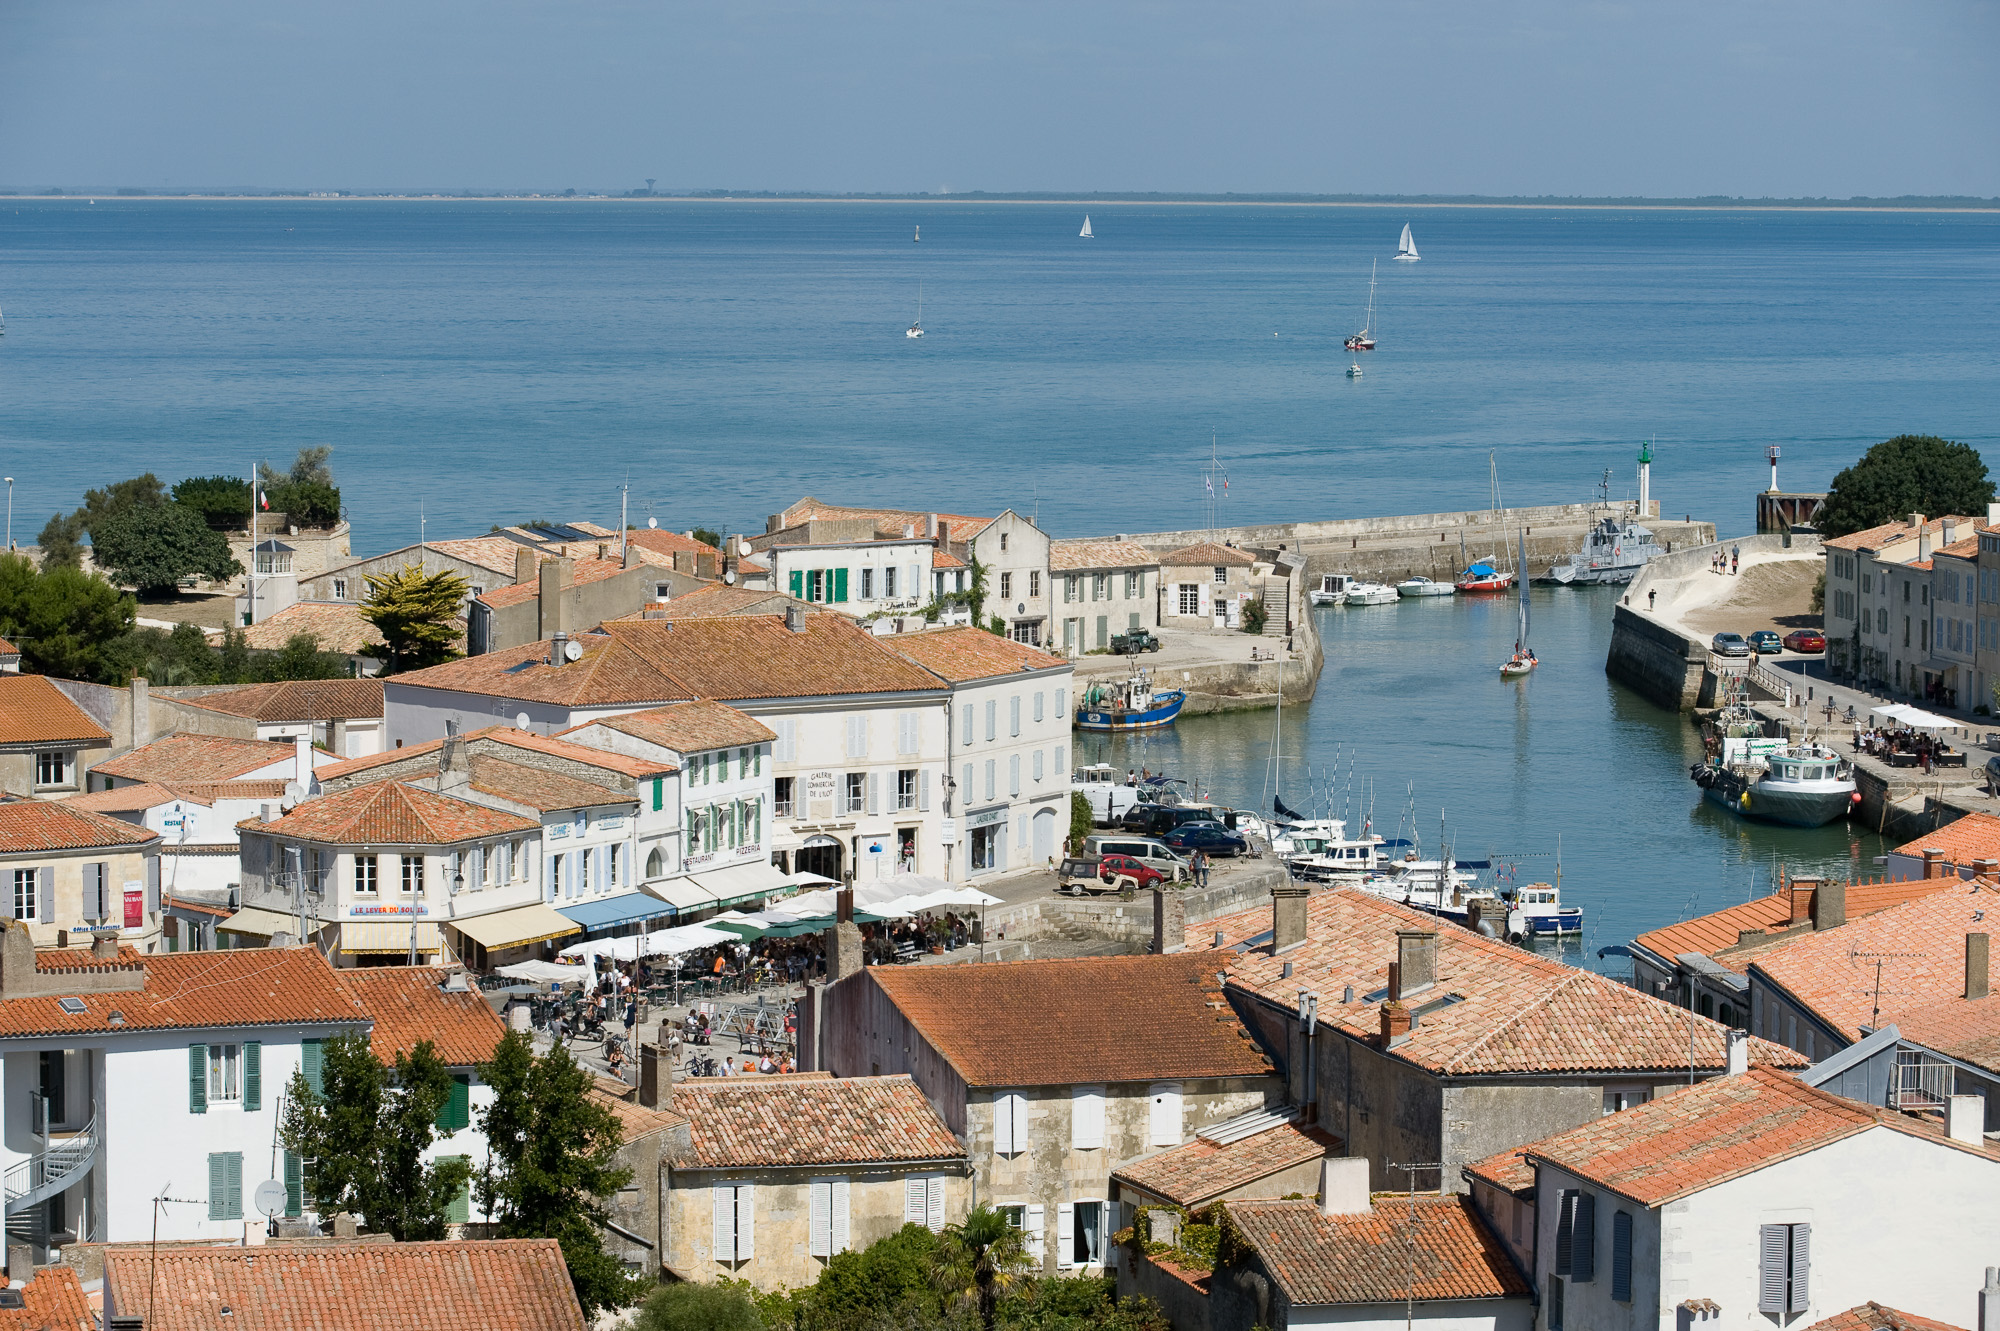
(253, 543)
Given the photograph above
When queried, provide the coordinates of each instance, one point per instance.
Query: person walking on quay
(1735, 552)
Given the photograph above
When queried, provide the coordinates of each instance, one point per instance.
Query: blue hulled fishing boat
(1135, 705)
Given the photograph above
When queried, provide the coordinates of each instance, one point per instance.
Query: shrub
(1254, 616)
(698, 1307)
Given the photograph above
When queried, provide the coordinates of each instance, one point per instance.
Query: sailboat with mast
(1523, 660)
(1486, 575)
(917, 329)
(1406, 248)
(1365, 339)
(1085, 233)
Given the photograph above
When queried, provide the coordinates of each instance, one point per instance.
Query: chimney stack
(1975, 966)
(1947, 529)
(656, 1076)
(1829, 905)
(1288, 916)
(1169, 921)
(1395, 1023)
(1737, 1045)
(558, 576)
(1801, 890)
(1989, 1297)
(525, 558)
(302, 760)
(141, 695)
(1965, 1119)
(1988, 868)
(1343, 1186)
(1933, 864)
(104, 947)
(795, 619)
(1416, 960)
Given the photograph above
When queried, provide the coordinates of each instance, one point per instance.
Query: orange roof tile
(30, 826)
(181, 758)
(1509, 1171)
(1200, 1171)
(538, 788)
(756, 656)
(127, 799)
(408, 1007)
(1919, 947)
(607, 674)
(295, 700)
(35, 711)
(1873, 1316)
(393, 813)
(1371, 1257)
(1090, 1019)
(893, 520)
(1205, 554)
(816, 1121)
(507, 737)
(718, 598)
(1874, 538)
(661, 541)
(1976, 836)
(1520, 1012)
(586, 571)
(1965, 549)
(475, 1285)
(8, 648)
(1716, 935)
(1070, 556)
(251, 987)
(945, 559)
(52, 1300)
(963, 654)
(335, 626)
(637, 1120)
(688, 727)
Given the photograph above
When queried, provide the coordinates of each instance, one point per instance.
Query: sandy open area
(1775, 595)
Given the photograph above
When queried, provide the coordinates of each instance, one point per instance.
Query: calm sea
(484, 363)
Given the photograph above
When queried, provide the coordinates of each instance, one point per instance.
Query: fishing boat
(1365, 340)
(917, 328)
(1133, 705)
(1332, 590)
(1414, 587)
(1354, 371)
(1770, 781)
(1536, 911)
(1480, 576)
(1523, 660)
(1372, 593)
(1614, 550)
(1406, 248)
(1085, 233)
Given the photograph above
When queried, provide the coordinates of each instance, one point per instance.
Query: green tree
(699, 1307)
(65, 622)
(222, 501)
(1082, 820)
(120, 498)
(61, 541)
(153, 548)
(306, 493)
(301, 658)
(363, 1140)
(708, 537)
(416, 613)
(551, 1160)
(981, 1260)
(1912, 473)
(894, 1275)
(1079, 1303)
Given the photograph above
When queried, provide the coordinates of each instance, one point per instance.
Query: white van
(1156, 853)
(1106, 789)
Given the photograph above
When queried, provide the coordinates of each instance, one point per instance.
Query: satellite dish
(270, 1197)
(294, 792)
(730, 577)
(520, 721)
(572, 650)
(652, 522)
(742, 546)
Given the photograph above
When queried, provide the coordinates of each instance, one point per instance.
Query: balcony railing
(50, 1170)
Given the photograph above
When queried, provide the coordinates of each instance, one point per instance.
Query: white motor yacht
(1424, 587)
(1372, 593)
(1332, 590)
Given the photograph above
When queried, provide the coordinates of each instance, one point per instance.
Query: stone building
(47, 742)
(1205, 586)
(1100, 589)
(66, 871)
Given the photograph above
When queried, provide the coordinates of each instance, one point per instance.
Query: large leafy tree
(61, 541)
(153, 547)
(1912, 473)
(306, 493)
(184, 656)
(222, 501)
(699, 1307)
(363, 1139)
(416, 613)
(66, 623)
(551, 1158)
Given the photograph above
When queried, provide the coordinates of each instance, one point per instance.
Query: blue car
(1209, 838)
(1766, 642)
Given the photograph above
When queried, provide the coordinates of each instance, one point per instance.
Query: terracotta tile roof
(892, 520)
(336, 626)
(1976, 836)
(29, 826)
(476, 1285)
(250, 987)
(494, 552)
(126, 799)
(1715, 1131)
(1069, 556)
(208, 792)
(756, 656)
(742, 1121)
(963, 654)
(586, 572)
(34, 711)
(1205, 554)
(1370, 1258)
(945, 559)
(409, 1007)
(717, 598)
(1521, 1012)
(1965, 549)
(608, 674)
(1200, 1171)
(1090, 1019)
(1874, 538)
(393, 813)
(508, 737)
(538, 788)
(1961, 1028)
(8, 648)
(198, 907)
(661, 541)
(688, 727)
(83, 959)
(53, 1300)
(1509, 1171)
(1873, 1316)
(295, 700)
(181, 758)
(637, 1120)
(1919, 946)
(1717, 935)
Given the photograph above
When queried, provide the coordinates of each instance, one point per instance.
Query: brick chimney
(1801, 890)
(1975, 965)
(1829, 905)
(1933, 863)
(1395, 1023)
(1987, 868)
(1288, 916)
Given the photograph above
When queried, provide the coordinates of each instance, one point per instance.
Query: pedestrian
(1652, 596)
(631, 1016)
(729, 1067)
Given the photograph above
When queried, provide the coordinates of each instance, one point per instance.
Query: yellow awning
(383, 937)
(517, 927)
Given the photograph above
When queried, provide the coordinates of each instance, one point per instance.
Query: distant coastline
(1905, 204)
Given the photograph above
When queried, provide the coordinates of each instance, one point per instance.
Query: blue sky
(1749, 97)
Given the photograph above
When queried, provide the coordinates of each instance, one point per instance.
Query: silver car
(1729, 644)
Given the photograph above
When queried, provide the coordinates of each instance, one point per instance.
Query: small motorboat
(1423, 587)
(1372, 593)
(1332, 590)
(1354, 371)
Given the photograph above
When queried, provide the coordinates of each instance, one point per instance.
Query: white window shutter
(819, 1233)
(1086, 1118)
(1035, 1230)
(1060, 769)
(1801, 1299)
(924, 791)
(1003, 1124)
(746, 1221)
(1020, 1112)
(1773, 1249)
(723, 1240)
(916, 1200)
(992, 719)
(1038, 705)
(1166, 1114)
(874, 793)
(935, 1215)
(991, 785)
(474, 862)
(1014, 774)
(1039, 755)
(966, 793)
(1014, 715)
(1062, 705)
(1065, 1235)
(45, 894)
(840, 1214)
(965, 723)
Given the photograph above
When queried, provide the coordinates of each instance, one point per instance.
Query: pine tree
(417, 615)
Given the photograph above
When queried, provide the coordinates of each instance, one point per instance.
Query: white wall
(413, 713)
(1452, 1315)
(711, 778)
(911, 561)
(819, 753)
(1016, 804)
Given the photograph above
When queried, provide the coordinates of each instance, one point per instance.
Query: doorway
(821, 855)
(1045, 835)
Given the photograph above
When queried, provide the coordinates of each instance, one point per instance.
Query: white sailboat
(917, 329)
(1364, 340)
(919, 236)
(1406, 249)
(1523, 660)
(1085, 233)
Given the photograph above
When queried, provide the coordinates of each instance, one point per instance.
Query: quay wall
(1225, 686)
(1012, 930)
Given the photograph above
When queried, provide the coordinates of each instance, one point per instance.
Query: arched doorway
(820, 855)
(1045, 835)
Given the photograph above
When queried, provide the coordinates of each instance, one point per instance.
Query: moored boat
(1614, 550)
(1481, 576)
(1414, 587)
(1133, 705)
(1770, 781)
(1332, 590)
(1371, 593)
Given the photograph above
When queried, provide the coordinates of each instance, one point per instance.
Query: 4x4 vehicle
(1132, 642)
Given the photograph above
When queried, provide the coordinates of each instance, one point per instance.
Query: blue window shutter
(197, 1079)
(218, 1185)
(1583, 1240)
(234, 1199)
(1565, 1222)
(253, 1075)
(1621, 1256)
(1555, 1303)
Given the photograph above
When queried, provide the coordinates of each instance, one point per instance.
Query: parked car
(1159, 819)
(1134, 641)
(1208, 838)
(1079, 874)
(1729, 644)
(1145, 849)
(1121, 870)
(1805, 640)
(1766, 640)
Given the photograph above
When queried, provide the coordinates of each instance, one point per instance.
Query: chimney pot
(1829, 905)
(1986, 868)
(1395, 1023)
(1976, 965)
(795, 619)
(1801, 890)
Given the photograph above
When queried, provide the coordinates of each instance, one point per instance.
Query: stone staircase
(1277, 605)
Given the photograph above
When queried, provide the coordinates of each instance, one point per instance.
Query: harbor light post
(10, 512)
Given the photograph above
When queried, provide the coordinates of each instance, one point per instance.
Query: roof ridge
(1499, 1026)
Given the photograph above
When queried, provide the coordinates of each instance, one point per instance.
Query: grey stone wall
(1659, 663)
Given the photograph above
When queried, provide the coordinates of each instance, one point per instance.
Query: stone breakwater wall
(1076, 919)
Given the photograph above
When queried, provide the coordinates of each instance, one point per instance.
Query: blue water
(501, 361)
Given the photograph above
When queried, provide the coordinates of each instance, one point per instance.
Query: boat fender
(1854, 797)
(1746, 799)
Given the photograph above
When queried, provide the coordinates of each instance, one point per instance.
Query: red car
(1115, 867)
(1805, 640)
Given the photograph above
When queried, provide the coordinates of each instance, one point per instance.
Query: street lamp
(10, 512)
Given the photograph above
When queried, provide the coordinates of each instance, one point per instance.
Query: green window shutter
(234, 1201)
(460, 1211)
(310, 1063)
(840, 584)
(197, 1079)
(218, 1185)
(456, 1112)
(796, 579)
(253, 1074)
(659, 793)
(295, 1186)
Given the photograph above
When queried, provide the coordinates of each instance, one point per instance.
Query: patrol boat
(1613, 551)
